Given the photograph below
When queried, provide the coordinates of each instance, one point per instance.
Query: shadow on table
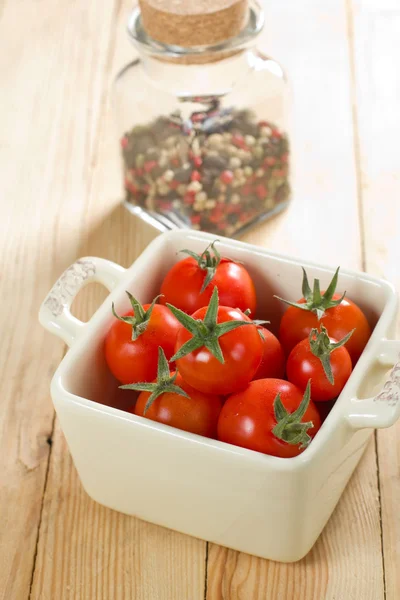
(119, 236)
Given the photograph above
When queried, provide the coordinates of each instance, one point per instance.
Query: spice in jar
(220, 170)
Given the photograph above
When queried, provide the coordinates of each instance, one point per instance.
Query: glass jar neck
(148, 46)
(215, 78)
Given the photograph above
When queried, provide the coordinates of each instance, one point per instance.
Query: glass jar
(203, 132)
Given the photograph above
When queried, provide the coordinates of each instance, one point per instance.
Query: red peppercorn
(124, 142)
(284, 157)
(188, 198)
(139, 171)
(198, 117)
(195, 176)
(226, 177)
(165, 204)
(263, 124)
(261, 191)
(217, 213)
(130, 187)
(238, 141)
(174, 184)
(276, 134)
(149, 165)
(195, 219)
(197, 161)
(146, 188)
(269, 161)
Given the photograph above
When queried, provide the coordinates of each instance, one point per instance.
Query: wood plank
(335, 567)
(310, 40)
(48, 117)
(377, 93)
(66, 198)
(86, 550)
(322, 224)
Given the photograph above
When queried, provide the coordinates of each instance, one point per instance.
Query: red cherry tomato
(197, 414)
(247, 417)
(303, 365)
(339, 320)
(183, 283)
(131, 361)
(241, 348)
(273, 359)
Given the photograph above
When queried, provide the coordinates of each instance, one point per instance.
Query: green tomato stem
(315, 301)
(205, 333)
(289, 426)
(164, 384)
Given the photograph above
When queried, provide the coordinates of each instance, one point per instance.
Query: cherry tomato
(241, 349)
(182, 286)
(197, 414)
(131, 361)
(303, 365)
(273, 359)
(339, 320)
(247, 418)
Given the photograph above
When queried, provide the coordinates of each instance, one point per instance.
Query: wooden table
(60, 194)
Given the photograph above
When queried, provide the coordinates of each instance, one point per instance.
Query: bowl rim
(328, 427)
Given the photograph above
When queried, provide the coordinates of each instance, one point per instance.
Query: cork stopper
(191, 23)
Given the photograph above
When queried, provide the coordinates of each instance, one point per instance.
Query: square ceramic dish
(267, 506)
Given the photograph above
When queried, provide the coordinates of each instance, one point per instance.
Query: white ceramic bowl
(267, 506)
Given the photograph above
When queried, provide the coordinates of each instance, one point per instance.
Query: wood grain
(60, 193)
(335, 567)
(322, 223)
(86, 551)
(49, 116)
(377, 94)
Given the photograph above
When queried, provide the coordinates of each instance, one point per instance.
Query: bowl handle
(382, 410)
(55, 314)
